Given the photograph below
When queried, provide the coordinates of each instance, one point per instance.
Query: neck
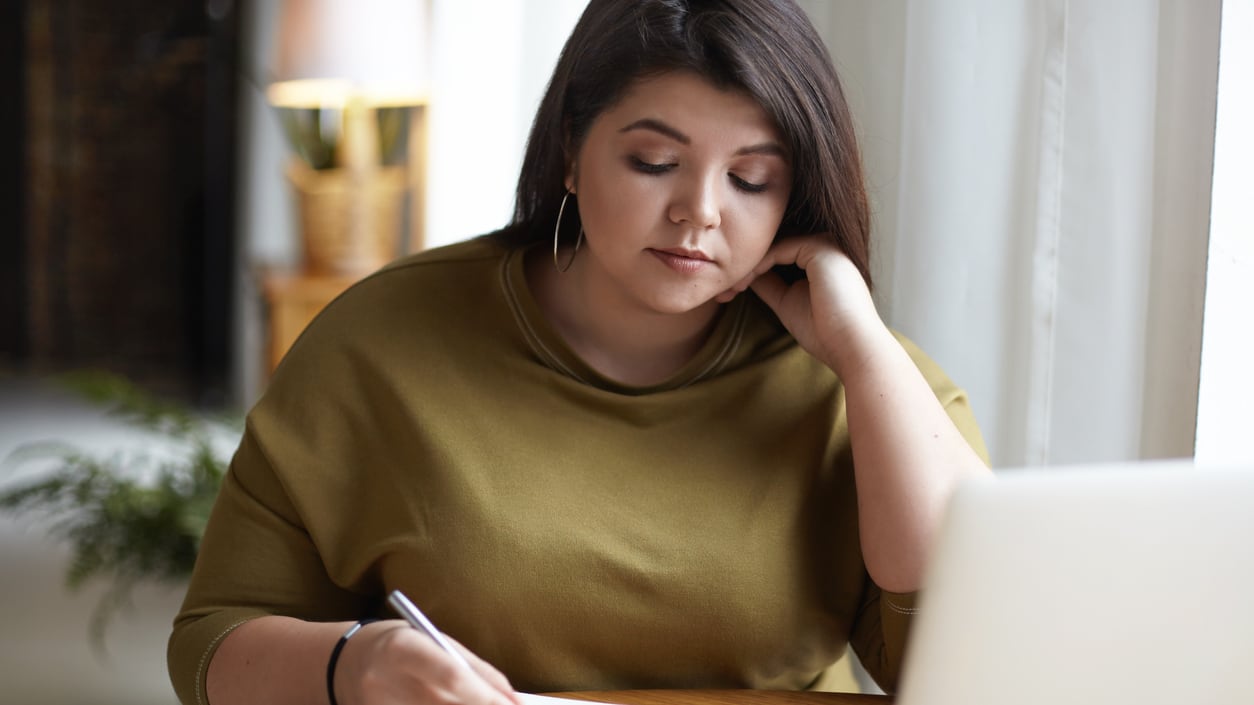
(623, 341)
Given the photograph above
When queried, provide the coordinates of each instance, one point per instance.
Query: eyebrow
(666, 130)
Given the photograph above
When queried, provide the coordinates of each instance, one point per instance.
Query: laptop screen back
(1128, 583)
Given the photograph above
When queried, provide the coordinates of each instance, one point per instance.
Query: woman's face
(681, 188)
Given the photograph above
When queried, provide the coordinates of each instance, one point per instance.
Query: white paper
(530, 699)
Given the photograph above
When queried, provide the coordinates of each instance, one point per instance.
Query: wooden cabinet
(293, 298)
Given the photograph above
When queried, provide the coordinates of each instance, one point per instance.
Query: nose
(697, 202)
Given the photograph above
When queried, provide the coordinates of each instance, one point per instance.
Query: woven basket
(350, 224)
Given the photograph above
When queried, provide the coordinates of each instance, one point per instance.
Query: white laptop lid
(1129, 583)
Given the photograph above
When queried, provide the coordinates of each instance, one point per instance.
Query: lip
(682, 260)
(685, 253)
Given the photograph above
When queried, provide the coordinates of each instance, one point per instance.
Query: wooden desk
(724, 697)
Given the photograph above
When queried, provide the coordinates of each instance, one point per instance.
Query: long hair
(766, 48)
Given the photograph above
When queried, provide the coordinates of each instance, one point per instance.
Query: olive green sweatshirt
(431, 432)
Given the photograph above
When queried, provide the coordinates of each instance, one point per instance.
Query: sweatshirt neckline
(552, 350)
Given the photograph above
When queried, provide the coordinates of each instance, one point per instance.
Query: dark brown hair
(766, 48)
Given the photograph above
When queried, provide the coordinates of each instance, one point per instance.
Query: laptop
(1110, 584)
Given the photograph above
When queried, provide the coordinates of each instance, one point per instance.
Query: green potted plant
(131, 515)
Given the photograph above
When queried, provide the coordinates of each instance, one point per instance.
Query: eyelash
(746, 186)
(644, 167)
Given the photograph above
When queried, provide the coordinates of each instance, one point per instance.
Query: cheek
(756, 226)
(601, 216)
(610, 205)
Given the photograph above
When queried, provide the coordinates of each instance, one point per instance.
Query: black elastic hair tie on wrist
(335, 656)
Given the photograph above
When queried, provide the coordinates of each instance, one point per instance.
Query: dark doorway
(115, 173)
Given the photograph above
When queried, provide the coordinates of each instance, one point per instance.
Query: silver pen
(419, 621)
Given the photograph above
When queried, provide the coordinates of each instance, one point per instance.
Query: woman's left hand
(907, 453)
(828, 310)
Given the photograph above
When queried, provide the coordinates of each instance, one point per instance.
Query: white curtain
(1040, 171)
(490, 67)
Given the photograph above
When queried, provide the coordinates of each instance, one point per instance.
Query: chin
(680, 304)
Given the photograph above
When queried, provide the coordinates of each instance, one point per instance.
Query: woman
(652, 434)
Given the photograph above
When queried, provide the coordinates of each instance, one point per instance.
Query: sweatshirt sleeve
(880, 633)
(256, 559)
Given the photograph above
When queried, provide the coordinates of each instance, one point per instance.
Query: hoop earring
(556, 230)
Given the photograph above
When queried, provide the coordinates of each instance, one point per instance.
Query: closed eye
(747, 186)
(644, 167)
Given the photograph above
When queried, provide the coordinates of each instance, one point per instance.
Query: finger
(481, 692)
(778, 254)
(488, 673)
(764, 268)
(785, 251)
(447, 680)
(469, 687)
(789, 251)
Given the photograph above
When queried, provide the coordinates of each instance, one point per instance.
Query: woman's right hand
(390, 662)
(283, 661)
